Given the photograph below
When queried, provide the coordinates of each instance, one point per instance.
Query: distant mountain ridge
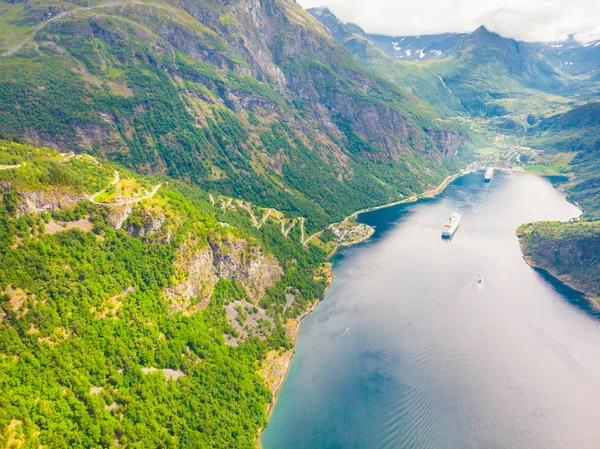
(480, 74)
(570, 55)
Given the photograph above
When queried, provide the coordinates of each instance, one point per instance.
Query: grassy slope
(69, 378)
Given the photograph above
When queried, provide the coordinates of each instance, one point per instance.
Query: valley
(179, 181)
(518, 99)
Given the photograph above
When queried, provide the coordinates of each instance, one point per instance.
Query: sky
(529, 20)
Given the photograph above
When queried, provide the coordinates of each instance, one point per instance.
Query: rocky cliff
(200, 265)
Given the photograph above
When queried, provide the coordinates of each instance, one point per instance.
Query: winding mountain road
(116, 179)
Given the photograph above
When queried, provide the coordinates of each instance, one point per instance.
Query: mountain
(569, 56)
(572, 56)
(374, 53)
(405, 48)
(250, 99)
(480, 74)
(579, 118)
(419, 48)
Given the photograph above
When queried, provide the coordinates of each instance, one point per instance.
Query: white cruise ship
(451, 226)
(489, 174)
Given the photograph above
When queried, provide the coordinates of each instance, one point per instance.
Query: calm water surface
(407, 351)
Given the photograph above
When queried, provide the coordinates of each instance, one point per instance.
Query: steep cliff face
(213, 91)
(47, 201)
(234, 258)
(200, 266)
(118, 214)
(194, 287)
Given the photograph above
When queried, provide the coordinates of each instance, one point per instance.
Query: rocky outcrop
(42, 201)
(196, 267)
(118, 214)
(449, 142)
(200, 266)
(235, 259)
(248, 320)
(147, 223)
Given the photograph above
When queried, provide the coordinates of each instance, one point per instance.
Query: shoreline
(427, 194)
(473, 167)
(561, 279)
(291, 352)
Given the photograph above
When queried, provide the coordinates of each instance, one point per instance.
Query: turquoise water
(408, 351)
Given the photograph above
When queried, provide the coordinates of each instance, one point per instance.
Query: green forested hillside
(570, 251)
(154, 269)
(577, 130)
(142, 321)
(254, 101)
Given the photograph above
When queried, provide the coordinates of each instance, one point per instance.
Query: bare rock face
(236, 259)
(383, 125)
(118, 215)
(199, 281)
(201, 266)
(38, 202)
(247, 320)
(449, 142)
(150, 222)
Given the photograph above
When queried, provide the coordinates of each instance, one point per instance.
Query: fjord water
(407, 351)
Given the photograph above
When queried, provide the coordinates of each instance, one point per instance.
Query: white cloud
(530, 20)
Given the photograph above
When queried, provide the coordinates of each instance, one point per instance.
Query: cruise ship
(489, 174)
(451, 226)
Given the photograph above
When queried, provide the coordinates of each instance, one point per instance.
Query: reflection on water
(407, 350)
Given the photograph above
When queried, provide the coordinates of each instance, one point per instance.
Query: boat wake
(342, 333)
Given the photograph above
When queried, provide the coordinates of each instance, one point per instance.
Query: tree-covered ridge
(92, 353)
(35, 168)
(569, 251)
(256, 102)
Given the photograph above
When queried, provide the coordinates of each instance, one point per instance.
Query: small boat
(451, 226)
(479, 278)
(489, 174)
